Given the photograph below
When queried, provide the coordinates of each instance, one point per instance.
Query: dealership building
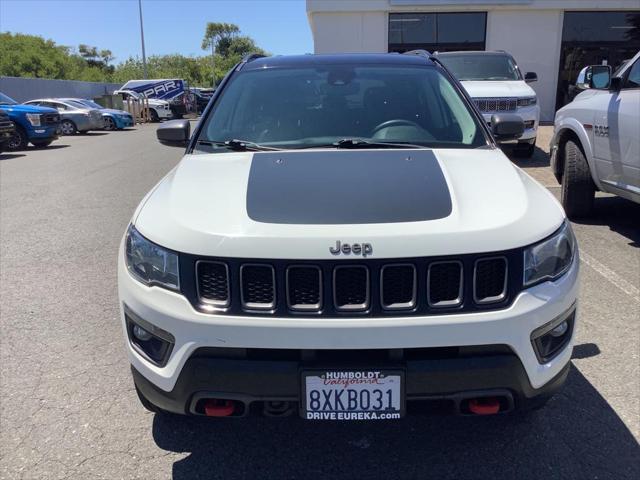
(554, 38)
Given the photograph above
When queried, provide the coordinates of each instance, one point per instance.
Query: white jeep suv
(344, 239)
(495, 83)
(596, 141)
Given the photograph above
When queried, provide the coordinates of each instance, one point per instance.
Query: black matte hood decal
(347, 187)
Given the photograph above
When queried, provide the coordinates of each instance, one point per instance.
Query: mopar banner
(164, 89)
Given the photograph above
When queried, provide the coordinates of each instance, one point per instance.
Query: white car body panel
(607, 124)
(200, 208)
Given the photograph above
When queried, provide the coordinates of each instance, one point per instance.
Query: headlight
(525, 102)
(550, 258)
(150, 263)
(34, 119)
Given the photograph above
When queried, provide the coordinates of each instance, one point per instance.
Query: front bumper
(530, 115)
(193, 330)
(123, 122)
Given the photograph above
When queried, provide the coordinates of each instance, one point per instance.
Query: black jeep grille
(373, 287)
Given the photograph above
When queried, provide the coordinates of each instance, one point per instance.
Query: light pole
(144, 56)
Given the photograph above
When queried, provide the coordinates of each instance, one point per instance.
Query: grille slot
(496, 104)
(398, 286)
(258, 287)
(213, 283)
(351, 291)
(445, 284)
(490, 280)
(50, 118)
(304, 288)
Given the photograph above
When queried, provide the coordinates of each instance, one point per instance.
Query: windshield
(76, 104)
(319, 105)
(4, 100)
(481, 67)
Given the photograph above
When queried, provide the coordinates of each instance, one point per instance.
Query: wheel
(154, 115)
(18, 140)
(110, 124)
(525, 150)
(147, 404)
(578, 188)
(41, 143)
(67, 127)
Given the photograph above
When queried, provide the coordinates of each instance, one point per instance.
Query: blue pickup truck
(36, 125)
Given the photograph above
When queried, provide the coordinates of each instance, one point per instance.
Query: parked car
(34, 124)
(495, 83)
(113, 119)
(596, 140)
(7, 130)
(74, 118)
(158, 109)
(344, 239)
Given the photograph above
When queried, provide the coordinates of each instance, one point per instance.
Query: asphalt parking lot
(67, 404)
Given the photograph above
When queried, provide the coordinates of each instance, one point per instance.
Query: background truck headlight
(150, 263)
(34, 119)
(550, 258)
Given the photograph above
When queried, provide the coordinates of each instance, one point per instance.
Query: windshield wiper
(237, 145)
(360, 143)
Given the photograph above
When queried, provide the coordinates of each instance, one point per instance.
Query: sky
(170, 26)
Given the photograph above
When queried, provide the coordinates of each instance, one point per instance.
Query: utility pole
(144, 56)
(213, 64)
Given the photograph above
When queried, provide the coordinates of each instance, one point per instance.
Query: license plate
(352, 395)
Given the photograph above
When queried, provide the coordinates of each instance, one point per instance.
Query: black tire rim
(16, 140)
(67, 128)
(109, 124)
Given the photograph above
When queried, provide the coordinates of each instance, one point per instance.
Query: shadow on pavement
(9, 156)
(576, 436)
(540, 158)
(619, 214)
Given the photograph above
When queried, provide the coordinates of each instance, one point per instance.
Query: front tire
(525, 150)
(109, 124)
(68, 127)
(154, 115)
(18, 140)
(578, 189)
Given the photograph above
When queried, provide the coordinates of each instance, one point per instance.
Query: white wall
(533, 38)
(353, 32)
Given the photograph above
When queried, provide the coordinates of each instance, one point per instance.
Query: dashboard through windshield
(322, 104)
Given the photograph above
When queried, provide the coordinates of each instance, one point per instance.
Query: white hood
(501, 89)
(220, 204)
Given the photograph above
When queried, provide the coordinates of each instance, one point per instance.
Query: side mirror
(598, 76)
(174, 133)
(506, 126)
(530, 77)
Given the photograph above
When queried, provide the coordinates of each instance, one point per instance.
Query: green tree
(215, 32)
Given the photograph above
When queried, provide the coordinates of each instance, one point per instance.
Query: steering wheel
(398, 122)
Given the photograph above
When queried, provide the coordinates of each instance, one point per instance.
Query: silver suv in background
(74, 118)
(496, 85)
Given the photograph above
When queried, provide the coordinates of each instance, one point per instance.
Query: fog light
(141, 334)
(560, 330)
(550, 339)
(151, 342)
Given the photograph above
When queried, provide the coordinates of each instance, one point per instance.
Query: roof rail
(422, 53)
(249, 57)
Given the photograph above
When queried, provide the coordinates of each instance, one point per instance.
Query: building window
(594, 38)
(437, 31)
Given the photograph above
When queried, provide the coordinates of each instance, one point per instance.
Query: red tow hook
(219, 408)
(484, 406)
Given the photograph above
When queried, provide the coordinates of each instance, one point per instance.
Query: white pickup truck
(596, 141)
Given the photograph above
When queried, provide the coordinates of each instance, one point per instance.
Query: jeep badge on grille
(363, 249)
